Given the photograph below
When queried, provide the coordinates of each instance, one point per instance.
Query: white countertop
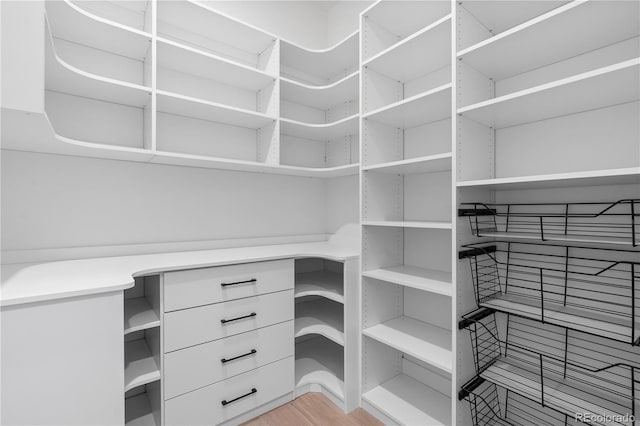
(36, 282)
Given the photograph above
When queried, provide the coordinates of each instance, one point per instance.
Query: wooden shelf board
(173, 103)
(407, 17)
(410, 402)
(138, 315)
(600, 88)
(321, 317)
(624, 176)
(320, 97)
(541, 41)
(71, 22)
(408, 224)
(426, 342)
(430, 280)
(173, 55)
(320, 132)
(427, 164)
(426, 107)
(406, 61)
(329, 285)
(319, 363)
(140, 366)
(138, 411)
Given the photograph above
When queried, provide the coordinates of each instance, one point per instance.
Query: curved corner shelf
(329, 285)
(427, 164)
(317, 362)
(430, 280)
(320, 97)
(607, 86)
(140, 366)
(322, 317)
(320, 132)
(541, 41)
(138, 315)
(138, 411)
(65, 78)
(70, 22)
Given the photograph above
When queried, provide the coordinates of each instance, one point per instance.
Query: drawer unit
(198, 366)
(224, 400)
(193, 326)
(197, 287)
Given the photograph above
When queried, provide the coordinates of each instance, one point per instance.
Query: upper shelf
(71, 22)
(323, 65)
(430, 280)
(320, 132)
(406, 60)
(426, 107)
(138, 315)
(320, 97)
(600, 88)
(543, 40)
(320, 283)
(322, 317)
(427, 164)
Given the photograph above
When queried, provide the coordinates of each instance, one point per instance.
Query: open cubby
(319, 277)
(142, 405)
(320, 361)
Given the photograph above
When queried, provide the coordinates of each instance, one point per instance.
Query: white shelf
(410, 402)
(65, 78)
(320, 132)
(319, 363)
(69, 21)
(426, 342)
(140, 366)
(550, 236)
(325, 64)
(427, 107)
(329, 285)
(430, 280)
(320, 97)
(173, 103)
(542, 40)
(138, 315)
(420, 54)
(427, 164)
(408, 224)
(591, 178)
(138, 411)
(192, 61)
(322, 317)
(600, 88)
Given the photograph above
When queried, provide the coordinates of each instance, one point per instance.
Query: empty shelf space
(542, 41)
(320, 283)
(426, 342)
(426, 107)
(320, 132)
(550, 236)
(408, 224)
(319, 362)
(173, 103)
(411, 276)
(410, 402)
(427, 164)
(320, 97)
(138, 411)
(71, 22)
(407, 60)
(173, 55)
(600, 88)
(321, 317)
(140, 365)
(138, 315)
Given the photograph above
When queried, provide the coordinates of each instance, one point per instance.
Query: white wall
(343, 19)
(53, 201)
(342, 204)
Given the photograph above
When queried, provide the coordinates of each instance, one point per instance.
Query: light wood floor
(313, 409)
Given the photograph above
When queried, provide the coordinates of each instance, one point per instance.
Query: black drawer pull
(253, 351)
(224, 321)
(225, 402)
(252, 280)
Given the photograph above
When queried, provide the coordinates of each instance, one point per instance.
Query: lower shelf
(138, 411)
(140, 366)
(410, 402)
(320, 362)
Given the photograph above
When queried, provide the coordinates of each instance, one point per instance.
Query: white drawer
(202, 365)
(240, 394)
(197, 287)
(207, 323)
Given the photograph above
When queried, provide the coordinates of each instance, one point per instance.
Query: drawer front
(197, 287)
(207, 323)
(240, 394)
(198, 366)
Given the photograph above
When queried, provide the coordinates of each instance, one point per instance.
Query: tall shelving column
(406, 211)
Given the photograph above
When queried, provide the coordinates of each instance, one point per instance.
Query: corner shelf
(317, 363)
(138, 315)
(430, 280)
(140, 365)
(320, 132)
(426, 164)
(320, 97)
(426, 342)
(328, 285)
(408, 224)
(138, 411)
(321, 317)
